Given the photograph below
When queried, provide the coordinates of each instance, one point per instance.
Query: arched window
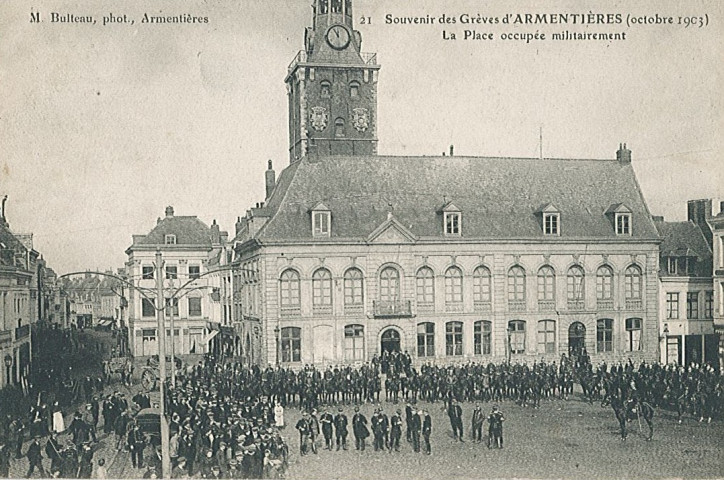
(353, 288)
(546, 336)
(482, 336)
(453, 286)
(453, 338)
(426, 339)
(633, 287)
(291, 344)
(516, 339)
(481, 288)
(604, 335)
(425, 288)
(516, 289)
(576, 285)
(389, 285)
(325, 89)
(322, 288)
(633, 332)
(339, 127)
(546, 288)
(354, 89)
(604, 286)
(289, 289)
(354, 342)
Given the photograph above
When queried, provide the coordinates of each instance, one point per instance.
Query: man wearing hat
(414, 425)
(327, 420)
(495, 428)
(179, 471)
(304, 429)
(427, 430)
(340, 428)
(477, 427)
(359, 428)
(396, 430)
(52, 451)
(35, 458)
(136, 444)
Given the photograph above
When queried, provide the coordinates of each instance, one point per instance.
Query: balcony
(482, 306)
(302, 57)
(290, 311)
(323, 310)
(604, 304)
(546, 305)
(354, 309)
(392, 309)
(516, 305)
(576, 305)
(634, 304)
(425, 307)
(22, 332)
(454, 307)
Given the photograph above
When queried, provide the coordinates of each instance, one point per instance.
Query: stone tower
(332, 87)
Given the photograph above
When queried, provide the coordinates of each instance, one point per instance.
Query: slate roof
(682, 239)
(498, 197)
(189, 230)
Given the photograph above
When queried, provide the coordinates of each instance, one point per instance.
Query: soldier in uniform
(477, 427)
(340, 428)
(304, 427)
(359, 428)
(313, 430)
(327, 420)
(427, 430)
(136, 443)
(396, 430)
(408, 420)
(376, 424)
(414, 425)
(455, 412)
(384, 424)
(495, 428)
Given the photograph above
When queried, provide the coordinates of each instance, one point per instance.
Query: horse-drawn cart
(151, 372)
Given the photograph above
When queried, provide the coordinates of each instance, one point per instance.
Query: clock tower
(332, 87)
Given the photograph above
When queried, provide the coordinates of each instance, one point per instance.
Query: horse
(628, 410)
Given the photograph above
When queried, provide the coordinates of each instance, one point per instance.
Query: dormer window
(321, 221)
(452, 223)
(672, 266)
(170, 239)
(623, 224)
(551, 222)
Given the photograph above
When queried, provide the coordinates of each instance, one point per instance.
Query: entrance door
(390, 341)
(576, 339)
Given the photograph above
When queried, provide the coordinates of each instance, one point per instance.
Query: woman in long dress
(58, 422)
(279, 415)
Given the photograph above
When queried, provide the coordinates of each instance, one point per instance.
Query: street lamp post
(8, 364)
(160, 315)
(509, 349)
(276, 337)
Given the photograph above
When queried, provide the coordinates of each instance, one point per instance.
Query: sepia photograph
(362, 239)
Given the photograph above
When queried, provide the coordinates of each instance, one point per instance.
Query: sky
(102, 127)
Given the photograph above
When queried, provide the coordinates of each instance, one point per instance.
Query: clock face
(338, 37)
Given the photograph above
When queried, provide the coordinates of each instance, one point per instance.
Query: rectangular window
(672, 265)
(148, 333)
(194, 271)
(291, 344)
(550, 224)
(709, 304)
(516, 339)
(454, 338)
(692, 305)
(148, 272)
(171, 272)
(194, 306)
(623, 224)
(354, 342)
(321, 224)
(452, 223)
(170, 239)
(633, 329)
(672, 305)
(546, 336)
(147, 308)
(482, 335)
(604, 335)
(426, 339)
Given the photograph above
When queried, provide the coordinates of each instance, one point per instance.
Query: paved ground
(563, 439)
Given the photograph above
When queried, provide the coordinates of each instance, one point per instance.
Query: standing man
(396, 430)
(304, 430)
(313, 430)
(427, 430)
(495, 428)
(414, 425)
(455, 412)
(4, 459)
(384, 424)
(52, 451)
(478, 420)
(359, 428)
(136, 443)
(327, 420)
(340, 428)
(376, 424)
(35, 458)
(408, 420)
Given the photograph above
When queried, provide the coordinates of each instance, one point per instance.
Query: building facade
(687, 296)
(186, 245)
(448, 258)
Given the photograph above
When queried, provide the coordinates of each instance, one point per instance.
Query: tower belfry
(332, 87)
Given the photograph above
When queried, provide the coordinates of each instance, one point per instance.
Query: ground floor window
(426, 339)
(454, 338)
(546, 336)
(482, 334)
(516, 330)
(633, 332)
(604, 335)
(291, 344)
(354, 342)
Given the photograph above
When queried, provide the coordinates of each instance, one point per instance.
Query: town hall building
(449, 258)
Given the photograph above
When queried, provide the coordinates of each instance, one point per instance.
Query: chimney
(269, 179)
(699, 212)
(238, 226)
(169, 211)
(452, 149)
(623, 155)
(3, 217)
(657, 218)
(215, 233)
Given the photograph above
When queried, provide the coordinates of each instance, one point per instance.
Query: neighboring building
(187, 246)
(687, 300)
(449, 258)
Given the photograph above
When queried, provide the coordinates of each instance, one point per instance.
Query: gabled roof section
(498, 195)
(391, 231)
(548, 208)
(320, 207)
(189, 231)
(450, 207)
(683, 239)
